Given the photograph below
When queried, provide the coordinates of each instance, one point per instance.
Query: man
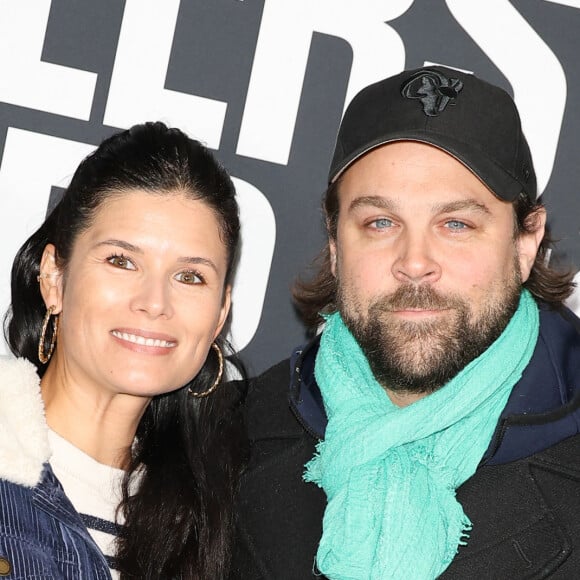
(431, 429)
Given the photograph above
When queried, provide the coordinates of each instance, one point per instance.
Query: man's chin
(422, 371)
(414, 355)
(420, 328)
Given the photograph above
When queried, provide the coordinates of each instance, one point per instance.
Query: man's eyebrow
(381, 202)
(192, 260)
(461, 205)
(377, 201)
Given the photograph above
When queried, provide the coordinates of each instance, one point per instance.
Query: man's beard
(421, 356)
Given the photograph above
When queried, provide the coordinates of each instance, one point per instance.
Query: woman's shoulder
(35, 533)
(18, 371)
(22, 556)
(24, 447)
(22, 517)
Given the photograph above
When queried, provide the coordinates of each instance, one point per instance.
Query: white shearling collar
(24, 446)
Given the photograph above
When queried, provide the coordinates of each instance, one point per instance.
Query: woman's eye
(189, 277)
(121, 261)
(381, 223)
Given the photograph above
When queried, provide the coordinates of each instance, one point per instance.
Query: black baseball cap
(474, 121)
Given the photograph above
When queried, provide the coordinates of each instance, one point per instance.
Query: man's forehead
(406, 172)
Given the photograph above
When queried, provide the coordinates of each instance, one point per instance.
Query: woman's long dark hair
(188, 452)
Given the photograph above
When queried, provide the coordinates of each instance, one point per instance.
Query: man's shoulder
(273, 380)
(268, 412)
(525, 516)
(279, 515)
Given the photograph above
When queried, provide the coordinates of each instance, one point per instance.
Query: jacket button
(5, 567)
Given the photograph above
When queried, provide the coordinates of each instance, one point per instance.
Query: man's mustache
(410, 296)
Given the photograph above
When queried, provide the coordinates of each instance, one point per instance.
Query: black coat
(523, 501)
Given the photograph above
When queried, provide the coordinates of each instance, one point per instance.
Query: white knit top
(94, 490)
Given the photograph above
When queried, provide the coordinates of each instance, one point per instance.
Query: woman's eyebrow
(198, 260)
(121, 244)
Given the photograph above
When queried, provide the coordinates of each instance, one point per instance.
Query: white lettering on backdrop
(519, 52)
(137, 90)
(26, 80)
(282, 54)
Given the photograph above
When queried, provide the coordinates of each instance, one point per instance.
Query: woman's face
(143, 296)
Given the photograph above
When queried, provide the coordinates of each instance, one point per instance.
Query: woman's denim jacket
(41, 534)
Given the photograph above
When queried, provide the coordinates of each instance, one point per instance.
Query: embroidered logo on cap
(433, 89)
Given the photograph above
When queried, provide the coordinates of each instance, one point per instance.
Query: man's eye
(189, 277)
(381, 224)
(120, 261)
(456, 225)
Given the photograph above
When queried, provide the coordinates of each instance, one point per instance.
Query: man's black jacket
(523, 501)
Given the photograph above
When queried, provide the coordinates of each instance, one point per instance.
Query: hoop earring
(217, 379)
(44, 357)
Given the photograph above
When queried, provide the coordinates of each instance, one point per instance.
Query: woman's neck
(100, 423)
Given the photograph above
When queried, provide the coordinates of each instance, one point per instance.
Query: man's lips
(144, 338)
(418, 312)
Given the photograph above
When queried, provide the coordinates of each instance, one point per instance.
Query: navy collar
(543, 408)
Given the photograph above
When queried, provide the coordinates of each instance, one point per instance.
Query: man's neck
(404, 398)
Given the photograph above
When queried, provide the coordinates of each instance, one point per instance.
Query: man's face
(428, 265)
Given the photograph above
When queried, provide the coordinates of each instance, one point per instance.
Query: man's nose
(415, 260)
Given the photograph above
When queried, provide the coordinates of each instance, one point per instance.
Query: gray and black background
(216, 44)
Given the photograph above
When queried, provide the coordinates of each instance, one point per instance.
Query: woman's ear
(224, 311)
(50, 279)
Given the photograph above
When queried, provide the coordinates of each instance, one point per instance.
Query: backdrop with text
(264, 84)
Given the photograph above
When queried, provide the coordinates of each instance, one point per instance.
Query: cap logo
(433, 89)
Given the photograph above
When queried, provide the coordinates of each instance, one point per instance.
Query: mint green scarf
(390, 473)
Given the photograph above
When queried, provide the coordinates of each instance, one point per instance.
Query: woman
(119, 300)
